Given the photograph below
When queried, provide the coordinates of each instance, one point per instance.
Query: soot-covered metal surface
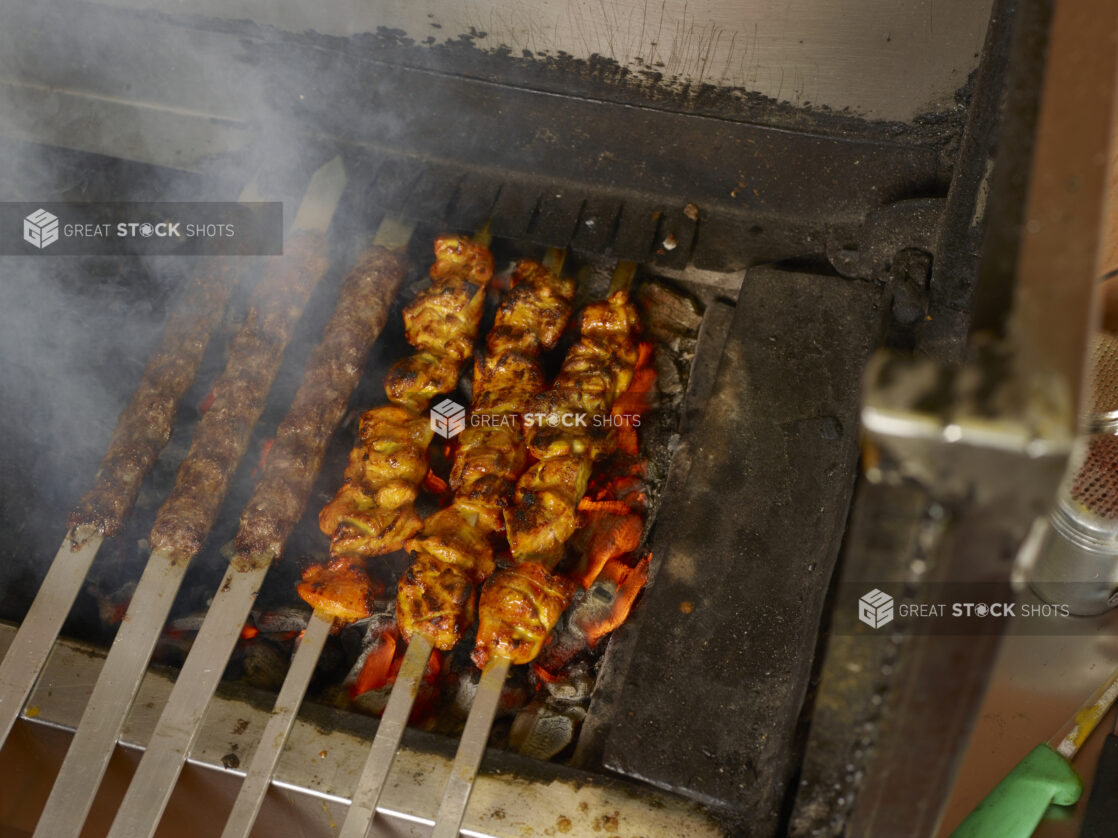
(739, 594)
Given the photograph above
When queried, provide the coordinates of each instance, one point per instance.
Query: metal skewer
(392, 724)
(181, 720)
(95, 738)
(263, 765)
(471, 749)
(483, 711)
(32, 644)
(363, 806)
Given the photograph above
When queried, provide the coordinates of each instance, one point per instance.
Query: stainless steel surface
(390, 731)
(1036, 684)
(264, 761)
(876, 58)
(178, 727)
(475, 736)
(1072, 555)
(320, 767)
(101, 724)
(31, 646)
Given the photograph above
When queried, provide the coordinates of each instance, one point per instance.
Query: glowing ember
(265, 450)
(378, 665)
(249, 632)
(434, 484)
(628, 582)
(611, 536)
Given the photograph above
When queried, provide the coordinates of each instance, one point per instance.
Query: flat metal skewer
(35, 638)
(92, 746)
(181, 720)
(471, 748)
(85, 763)
(263, 765)
(33, 641)
(363, 806)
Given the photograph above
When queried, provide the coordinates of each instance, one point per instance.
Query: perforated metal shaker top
(1096, 482)
(1104, 379)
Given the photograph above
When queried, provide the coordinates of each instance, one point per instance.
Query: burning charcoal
(373, 668)
(281, 620)
(460, 687)
(371, 702)
(596, 612)
(542, 730)
(572, 685)
(190, 624)
(112, 605)
(265, 664)
(669, 314)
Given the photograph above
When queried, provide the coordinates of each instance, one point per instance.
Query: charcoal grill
(812, 231)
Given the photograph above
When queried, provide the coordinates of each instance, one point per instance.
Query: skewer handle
(181, 720)
(32, 644)
(359, 819)
(264, 760)
(475, 736)
(85, 763)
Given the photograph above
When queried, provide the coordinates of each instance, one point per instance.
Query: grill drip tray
(324, 756)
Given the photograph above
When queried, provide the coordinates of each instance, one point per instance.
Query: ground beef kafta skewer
(332, 375)
(182, 523)
(141, 433)
(145, 424)
(276, 505)
(222, 435)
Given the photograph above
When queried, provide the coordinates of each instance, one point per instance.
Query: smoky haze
(106, 104)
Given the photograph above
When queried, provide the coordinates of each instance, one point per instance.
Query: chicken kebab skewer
(519, 606)
(436, 598)
(276, 505)
(183, 522)
(373, 513)
(141, 433)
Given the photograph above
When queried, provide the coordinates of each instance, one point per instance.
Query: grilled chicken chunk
(453, 555)
(373, 512)
(519, 606)
(517, 609)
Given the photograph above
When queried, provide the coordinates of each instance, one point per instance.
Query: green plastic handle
(1017, 804)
